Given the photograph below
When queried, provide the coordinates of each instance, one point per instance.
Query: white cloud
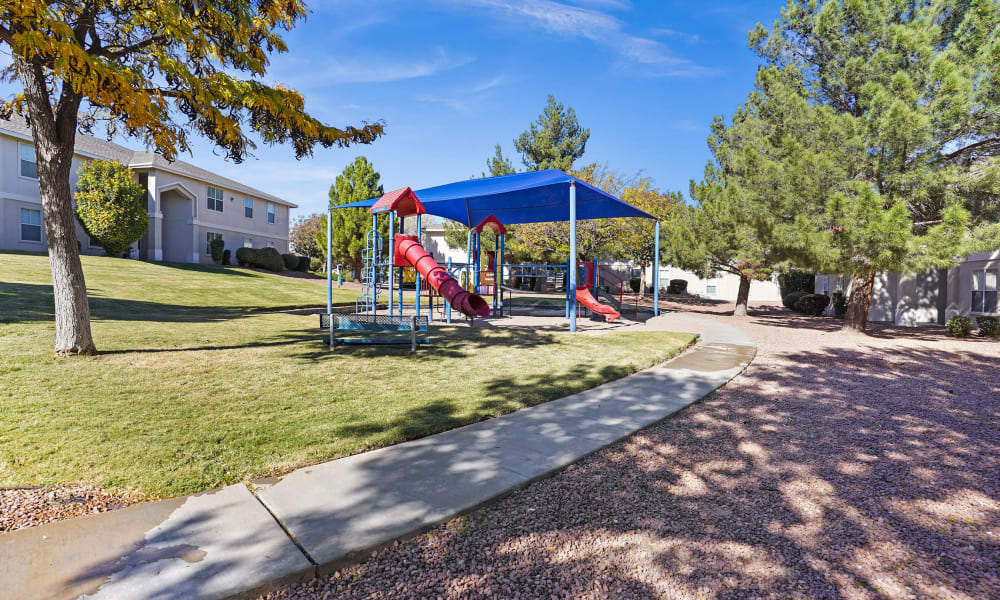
(489, 84)
(653, 57)
(689, 125)
(688, 38)
(306, 73)
(449, 102)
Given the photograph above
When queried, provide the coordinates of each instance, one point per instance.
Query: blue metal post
(329, 261)
(656, 268)
(468, 260)
(417, 307)
(447, 305)
(376, 256)
(567, 286)
(476, 258)
(572, 256)
(402, 229)
(392, 254)
(500, 265)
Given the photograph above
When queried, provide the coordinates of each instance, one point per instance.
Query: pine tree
(909, 94)
(359, 181)
(554, 141)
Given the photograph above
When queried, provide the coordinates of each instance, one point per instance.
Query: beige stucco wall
(17, 192)
(190, 245)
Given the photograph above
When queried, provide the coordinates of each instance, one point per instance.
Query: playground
(488, 287)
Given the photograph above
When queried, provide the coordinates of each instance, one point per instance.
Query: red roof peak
(403, 201)
(493, 223)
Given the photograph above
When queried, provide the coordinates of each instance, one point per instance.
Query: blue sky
(451, 78)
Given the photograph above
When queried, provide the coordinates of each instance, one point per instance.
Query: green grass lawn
(196, 387)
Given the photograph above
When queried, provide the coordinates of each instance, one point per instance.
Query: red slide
(468, 303)
(584, 297)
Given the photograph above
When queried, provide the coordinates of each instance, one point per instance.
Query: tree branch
(971, 147)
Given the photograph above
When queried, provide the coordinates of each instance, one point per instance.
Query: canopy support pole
(572, 256)
(419, 241)
(656, 268)
(392, 255)
(329, 262)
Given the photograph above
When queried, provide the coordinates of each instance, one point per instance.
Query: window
(270, 213)
(214, 199)
(270, 244)
(26, 153)
(984, 291)
(710, 287)
(248, 208)
(211, 235)
(31, 225)
(247, 243)
(825, 290)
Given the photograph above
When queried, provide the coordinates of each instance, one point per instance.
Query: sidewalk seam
(253, 491)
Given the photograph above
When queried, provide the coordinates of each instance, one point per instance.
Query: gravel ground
(27, 507)
(837, 466)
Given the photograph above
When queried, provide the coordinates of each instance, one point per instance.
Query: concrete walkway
(244, 539)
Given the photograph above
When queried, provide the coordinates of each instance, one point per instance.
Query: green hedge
(812, 304)
(988, 326)
(796, 281)
(262, 258)
(677, 286)
(304, 263)
(291, 261)
(216, 247)
(839, 304)
(791, 298)
(959, 326)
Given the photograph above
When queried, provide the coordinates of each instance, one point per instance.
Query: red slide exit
(437, 276)
(587, 299)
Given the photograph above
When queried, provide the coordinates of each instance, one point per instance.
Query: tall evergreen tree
(554, 141)
(156, 70)
(499, 164)
(912, 93)
(359, 181)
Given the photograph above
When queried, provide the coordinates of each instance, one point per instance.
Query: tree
(303, 235)
(554, 141)
(358, 181)
(109, 205)
(632, 238)
(911, 91)
(499, 164)
(155, 70)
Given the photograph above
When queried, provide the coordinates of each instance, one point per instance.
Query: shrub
(988, 326)
(812, 304)
(839, 304)
(634, 283)
(796, 281)
(291, 261)
(315, 264)
(109, 205)
(225, 256)
(303, 266)
(677, 286)
(262, 258)
(959, 326)
(216, 247)
(791, 298)
(243, 256)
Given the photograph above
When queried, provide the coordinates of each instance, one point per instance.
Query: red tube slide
(584, 297)
(468, 303)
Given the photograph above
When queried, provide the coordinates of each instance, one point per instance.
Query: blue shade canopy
(532, 197)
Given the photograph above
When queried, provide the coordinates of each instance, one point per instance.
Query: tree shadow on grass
(835, 473)
(23, 302)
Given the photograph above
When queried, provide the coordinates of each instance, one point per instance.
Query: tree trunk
(54, 141)
(356, 275)
(742, 297)
(859, 302)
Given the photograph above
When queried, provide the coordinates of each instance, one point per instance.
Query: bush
(677, 286)
(839, 304)
(796, 281)
(109, 205)
(225, 256)
(812, 304)
(291, 261)
(315, 265)
(988, 326)
(959, 326)
(216, 247)
(303, 266)
(791, 298)
(634, 283)
(262, 258)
